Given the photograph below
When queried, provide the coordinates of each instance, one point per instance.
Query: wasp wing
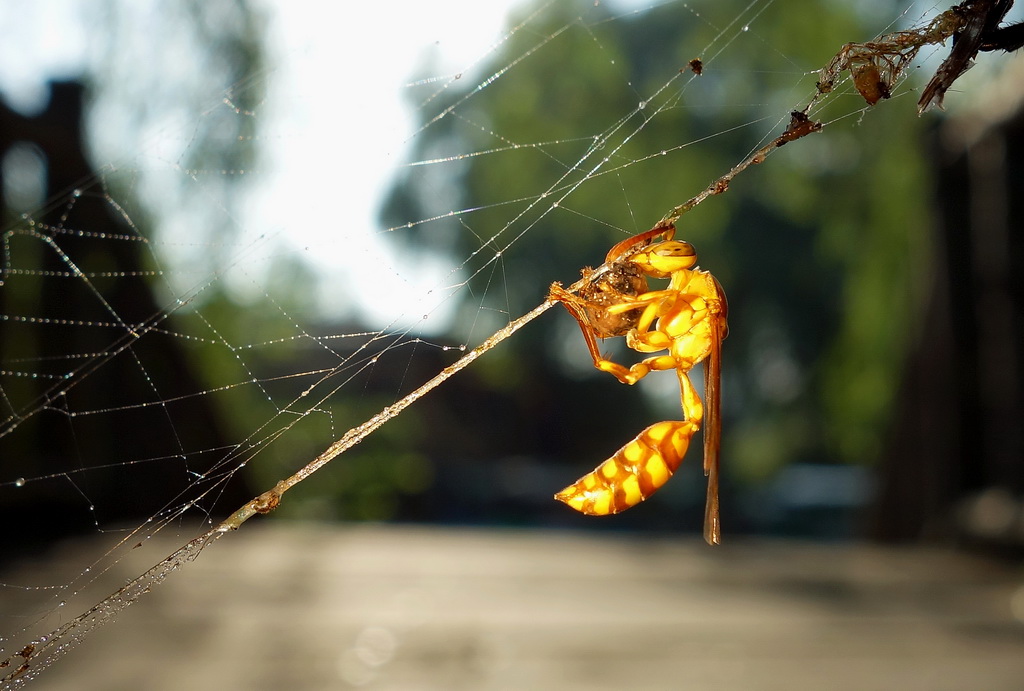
(713, 427)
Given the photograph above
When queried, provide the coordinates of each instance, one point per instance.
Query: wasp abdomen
(634, 473)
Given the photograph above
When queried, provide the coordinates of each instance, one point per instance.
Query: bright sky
(339, 91)
(336, 76)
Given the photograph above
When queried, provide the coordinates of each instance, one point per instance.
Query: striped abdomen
(634, 473)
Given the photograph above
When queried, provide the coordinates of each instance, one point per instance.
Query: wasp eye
(675, 249)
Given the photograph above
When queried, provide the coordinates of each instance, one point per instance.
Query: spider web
(218, 300)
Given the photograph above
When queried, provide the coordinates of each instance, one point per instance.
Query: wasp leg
(648, 342)
(577, 308)
(639, 370)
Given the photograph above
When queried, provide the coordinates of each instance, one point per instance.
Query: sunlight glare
(336, 101)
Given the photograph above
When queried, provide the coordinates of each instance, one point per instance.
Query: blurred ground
(286, 606)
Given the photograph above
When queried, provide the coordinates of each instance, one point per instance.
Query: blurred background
(233, 230)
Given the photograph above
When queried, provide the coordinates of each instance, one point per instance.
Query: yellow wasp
(688, 319)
